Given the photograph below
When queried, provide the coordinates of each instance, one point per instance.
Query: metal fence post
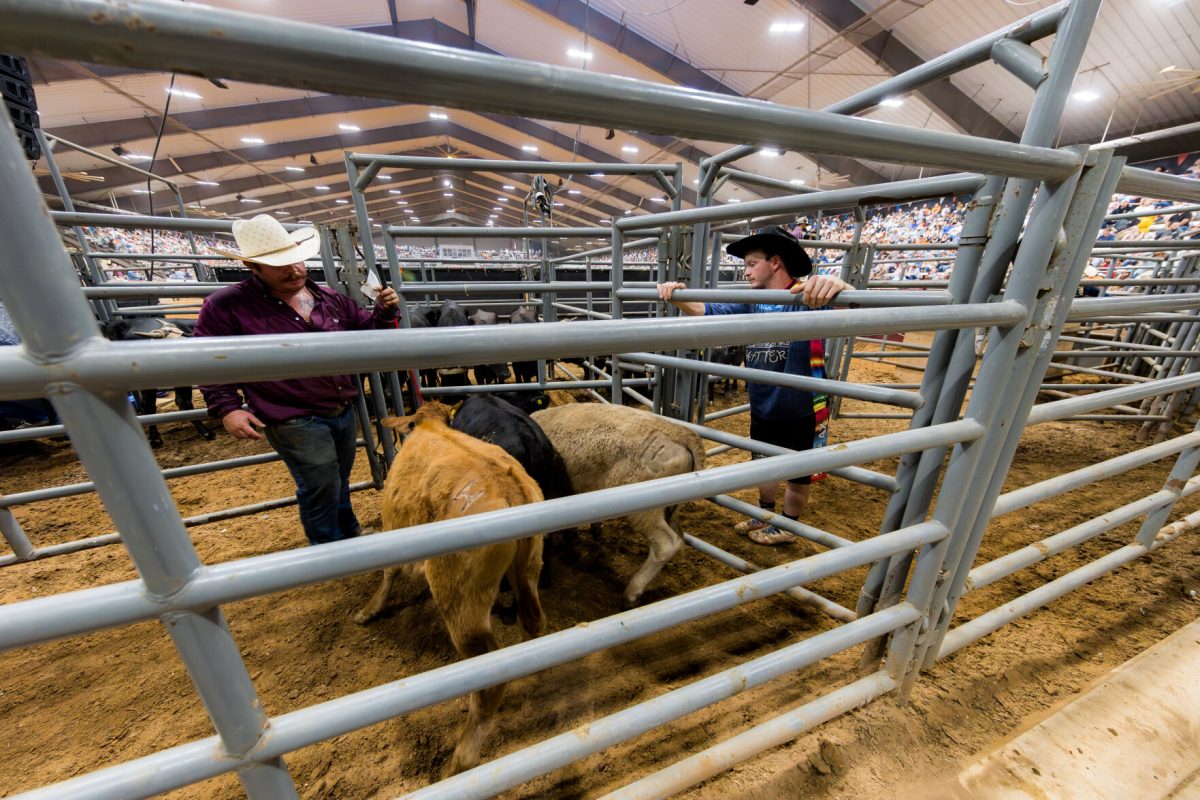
(54, 320)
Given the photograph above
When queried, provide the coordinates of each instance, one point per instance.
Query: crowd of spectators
(934, 223)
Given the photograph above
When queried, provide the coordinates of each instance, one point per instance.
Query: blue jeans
(319, 452)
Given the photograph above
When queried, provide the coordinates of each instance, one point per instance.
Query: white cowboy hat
(263, 240)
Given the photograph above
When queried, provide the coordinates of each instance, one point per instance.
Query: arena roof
(280, 150)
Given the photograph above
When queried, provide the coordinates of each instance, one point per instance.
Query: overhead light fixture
(797, 181)
(1086, 96)
(892, 102)
(586, 55)
(529, 148)
(281, 213)
(346, 126)
(341, 202)
(496, 208)
(557, 203)
(438, 115)
(207, 183)
(446, 183)
(786, 27)
(321, 188)
(447, 194)
(401, 202)
(250, 200)
(597, 174)
(383, 177)
(574, 191)
(508, 187)
(252, 140)
(628, 148)
(294, 169)
(658, 199)
(734, 200)
(502, 199)
(450, 210)
(409, 211)
(629, 211)
(769, 152)
(140, 191)
(184, 93)
(395, 191)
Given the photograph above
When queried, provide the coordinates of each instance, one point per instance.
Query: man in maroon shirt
(309, 421)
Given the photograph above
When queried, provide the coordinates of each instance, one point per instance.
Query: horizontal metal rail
(102, 365)
(196, 761)
(338, 61)
(856, 474)
(997, 618)
(49, 618)
(787, 726)
(85, 487)
(1060, 409)
(105, 539)
(873, 394)
(442, 391)
(1006, 565)
(81, 218)
(1070, 481)
(799, 593)
(852, 298)
(812, 534)
(516, 768)
(1149, 183)
(898, 190)
(50, 431)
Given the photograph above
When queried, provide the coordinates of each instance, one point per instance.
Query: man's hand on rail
(819, 290)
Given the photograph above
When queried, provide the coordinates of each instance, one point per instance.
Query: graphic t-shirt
(804, 358)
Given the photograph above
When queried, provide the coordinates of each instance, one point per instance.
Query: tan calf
(605, 445)
(439, 474)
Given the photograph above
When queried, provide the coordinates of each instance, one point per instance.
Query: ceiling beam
(619, 36)
(947, 99)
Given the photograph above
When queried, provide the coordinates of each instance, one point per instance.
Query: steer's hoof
(362, 617)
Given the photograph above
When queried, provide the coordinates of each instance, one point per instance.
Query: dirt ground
(72, 706)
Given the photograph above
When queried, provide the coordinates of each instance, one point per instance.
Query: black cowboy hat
(775, 240)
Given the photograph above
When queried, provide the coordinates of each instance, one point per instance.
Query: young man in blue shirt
(778, 415)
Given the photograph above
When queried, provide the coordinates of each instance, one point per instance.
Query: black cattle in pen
(524, 371)
(488, 374)
(145, 400)
(730, 355)
(424, 317)
(451, 315)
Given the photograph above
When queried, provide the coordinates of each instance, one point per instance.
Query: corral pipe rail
(102, 365)
(233, 45)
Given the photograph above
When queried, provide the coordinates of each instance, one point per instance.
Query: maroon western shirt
(248, 309)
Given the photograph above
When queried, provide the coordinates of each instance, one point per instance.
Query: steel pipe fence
(905, 594)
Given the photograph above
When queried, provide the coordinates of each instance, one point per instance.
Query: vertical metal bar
(54, 321)
(105, 309)
(360, 212)
(886, 580)
(1181, 472)
(199, 268)
(13, 534)
(327, 265)
(378, 470)
(617, 274)
(1082, 224)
